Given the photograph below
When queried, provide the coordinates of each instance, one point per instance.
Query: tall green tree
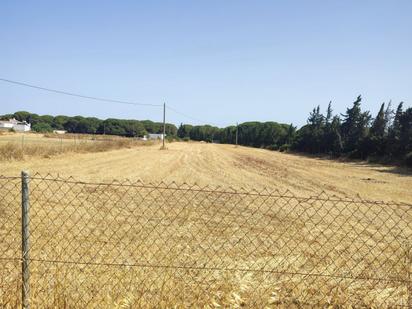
(394, 134)
(332, 140)
(376, 141)
(184, 130)
(378, 127)
(355, 128)
(329, 113)
(389, 115)
(405, 136)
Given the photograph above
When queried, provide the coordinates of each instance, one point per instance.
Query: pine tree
(181, 131)
(405, 134)
(328, 134)
(290, 135)
(388, 116)
(396, 122)
(336, 138)
(376, 141)
(395, 132)
(329, 113)
(379, 123)
(314, 133)
(354, 128)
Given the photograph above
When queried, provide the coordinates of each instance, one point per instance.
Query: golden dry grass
(225, 165)
(205, 236)
(17, 147)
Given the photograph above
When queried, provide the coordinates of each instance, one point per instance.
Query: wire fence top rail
(195, 187)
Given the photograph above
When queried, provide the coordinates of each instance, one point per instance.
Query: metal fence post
(25, 236)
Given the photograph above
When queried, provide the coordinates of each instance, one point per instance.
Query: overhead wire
(68, 93)
(187, 116)
(75, 94)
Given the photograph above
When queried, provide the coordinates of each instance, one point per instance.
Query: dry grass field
(225, 165)
(214, 248)
(18, 146)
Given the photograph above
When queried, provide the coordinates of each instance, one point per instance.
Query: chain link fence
(137, 245)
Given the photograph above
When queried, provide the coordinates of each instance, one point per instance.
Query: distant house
(59, 131)
(152, 136)
(6, 125)
(18, 126)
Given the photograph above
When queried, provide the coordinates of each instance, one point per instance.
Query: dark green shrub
(284, 148)
(408, 159)
(272, 147)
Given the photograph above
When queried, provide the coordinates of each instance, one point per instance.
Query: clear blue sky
(219, 61)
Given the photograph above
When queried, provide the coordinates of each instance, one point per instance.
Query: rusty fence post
(25, 239)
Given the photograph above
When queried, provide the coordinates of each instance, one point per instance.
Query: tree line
(271, 135)
(91, 125)
(354, 134)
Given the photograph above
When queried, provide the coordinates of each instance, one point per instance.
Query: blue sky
(218, 61)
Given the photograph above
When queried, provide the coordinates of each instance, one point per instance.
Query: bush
(170, 139)
(272, 147)
(186, 139)
(408, 159)
(284, 148)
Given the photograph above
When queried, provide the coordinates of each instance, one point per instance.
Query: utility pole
(237, 132)
(164, 125)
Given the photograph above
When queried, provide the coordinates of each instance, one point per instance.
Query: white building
(59, 131)
(152, 136)
(6, 125)
(18, 126)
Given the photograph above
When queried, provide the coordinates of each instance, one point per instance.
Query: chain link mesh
(97, 245)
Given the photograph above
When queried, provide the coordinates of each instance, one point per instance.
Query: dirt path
(225, 165)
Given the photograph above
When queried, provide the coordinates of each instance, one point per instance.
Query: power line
(64, 92)
(189, 117)
(76, 95)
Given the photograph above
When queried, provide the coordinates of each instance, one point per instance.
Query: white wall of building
(22, 127)
(15, 125)
(6, 125)
(155, 136)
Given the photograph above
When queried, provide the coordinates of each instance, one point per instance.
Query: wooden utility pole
(164, 125)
